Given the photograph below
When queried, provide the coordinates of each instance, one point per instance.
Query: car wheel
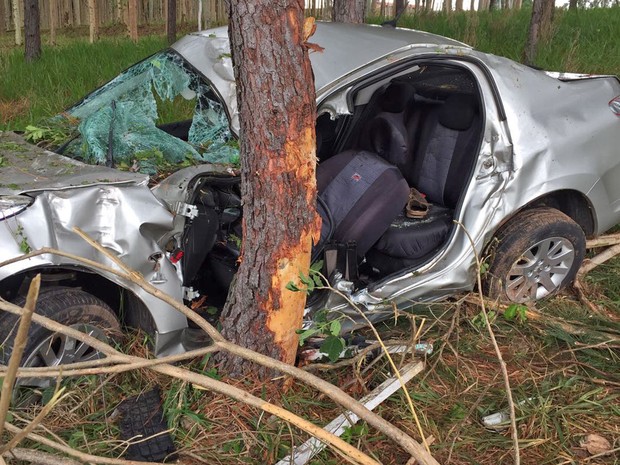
(535, 254)
(71, 307)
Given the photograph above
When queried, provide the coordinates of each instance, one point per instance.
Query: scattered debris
(595, 444)
(304, 453)
(142, 424)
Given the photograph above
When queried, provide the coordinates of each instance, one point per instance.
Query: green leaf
(335, 327)
(305, 334)
(292, 287)
(516, 312)
(511, 312)
(316, 267)
(332, 346)
(304, 279)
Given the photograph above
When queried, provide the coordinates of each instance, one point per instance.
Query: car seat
(360, 194)
(445, 150)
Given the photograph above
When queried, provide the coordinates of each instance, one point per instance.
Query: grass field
(565, 377)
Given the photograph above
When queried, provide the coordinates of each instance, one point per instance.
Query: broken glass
(121, 123)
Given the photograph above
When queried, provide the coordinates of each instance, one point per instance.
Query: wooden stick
(405, 441)
(19, 345)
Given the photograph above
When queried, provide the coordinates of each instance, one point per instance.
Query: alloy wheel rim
(540, 270)
(56, 349)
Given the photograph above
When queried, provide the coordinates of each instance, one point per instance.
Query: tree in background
(540, 28)
(171, 21)
(32, 31)
(349, 11)
(277, 112)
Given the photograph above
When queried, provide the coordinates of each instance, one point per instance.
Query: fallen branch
(391, 431)
(39, 457)
(511, 406)
(17, 352)
(205, 382)
(603, 241)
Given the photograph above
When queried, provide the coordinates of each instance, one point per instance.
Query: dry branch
(511, 405)
(205, 382)
(18, 349)
(337, 395)
(39, 457)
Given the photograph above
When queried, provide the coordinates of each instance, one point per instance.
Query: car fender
(127, 220)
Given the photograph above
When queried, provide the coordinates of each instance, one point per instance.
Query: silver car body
(543, 135)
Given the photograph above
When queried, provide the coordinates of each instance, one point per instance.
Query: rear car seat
(445, 150)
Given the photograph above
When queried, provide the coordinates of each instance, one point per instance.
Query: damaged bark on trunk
(275, 90)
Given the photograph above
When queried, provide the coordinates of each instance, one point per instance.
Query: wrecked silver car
(430, 154)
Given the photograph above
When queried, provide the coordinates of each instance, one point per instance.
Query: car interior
(421, 129)
(427, 124)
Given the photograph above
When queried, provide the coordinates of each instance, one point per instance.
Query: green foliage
(516, 312)
(355, 432)
(478, 320)
(52, 132)
(20, 235)
(311, 282)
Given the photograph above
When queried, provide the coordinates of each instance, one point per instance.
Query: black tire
(71, 307)
(534, 255)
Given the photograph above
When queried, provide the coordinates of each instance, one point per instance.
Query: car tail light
(614, 104)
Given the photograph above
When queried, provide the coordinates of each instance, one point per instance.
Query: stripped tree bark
(275, 91)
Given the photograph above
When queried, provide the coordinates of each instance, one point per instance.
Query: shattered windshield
(157, 115)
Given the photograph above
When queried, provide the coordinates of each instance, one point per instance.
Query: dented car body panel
(543, 139)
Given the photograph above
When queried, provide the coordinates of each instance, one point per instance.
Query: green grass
(64, 75)
(567, 390)
(584, 41)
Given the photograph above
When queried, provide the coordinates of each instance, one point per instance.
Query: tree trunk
(349, 11)
(77, 13)
(132, 19)
(17, 20)
(53, 12)
(93, 21)
(32, 30)
(472, 5)
(572, 5)
(458, 5)
(275, 91)
(540, 26)
(200, 15)
(171, 21)
(399, 8)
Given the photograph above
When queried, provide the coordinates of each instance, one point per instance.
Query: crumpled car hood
(27, 168)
